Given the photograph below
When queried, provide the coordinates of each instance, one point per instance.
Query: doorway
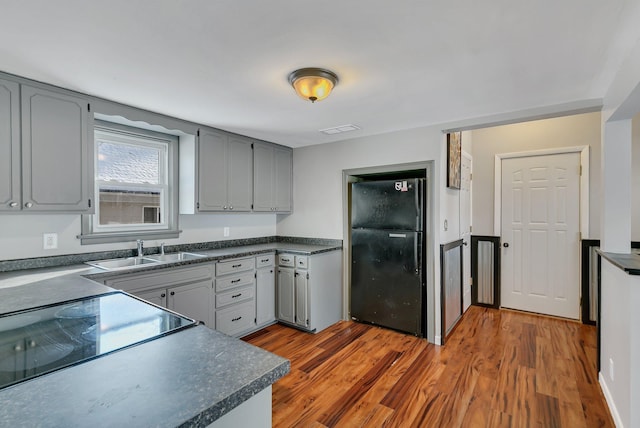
(540, 225)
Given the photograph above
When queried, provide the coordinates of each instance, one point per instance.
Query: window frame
(92, 233)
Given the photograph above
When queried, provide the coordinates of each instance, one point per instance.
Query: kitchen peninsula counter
(190, 378)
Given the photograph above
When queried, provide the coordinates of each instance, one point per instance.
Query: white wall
(317, 175)
(21, 235)
(635, 179)
(569, 131)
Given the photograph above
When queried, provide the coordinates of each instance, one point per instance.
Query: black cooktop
(48, 338)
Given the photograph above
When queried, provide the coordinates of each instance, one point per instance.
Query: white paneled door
(540, 234)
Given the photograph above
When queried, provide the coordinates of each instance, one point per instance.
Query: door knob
(464, 243)
(28, 205)
(505, 245)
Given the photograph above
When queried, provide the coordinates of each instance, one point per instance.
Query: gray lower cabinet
(272, 171)
(192, 300)
(46, 150)
(310, 290)
(225, 172)
(185, 290)
(265, 290)
(235, 298)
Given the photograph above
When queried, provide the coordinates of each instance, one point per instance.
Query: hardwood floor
(498, 369)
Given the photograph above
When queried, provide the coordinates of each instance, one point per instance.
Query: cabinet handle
(32, 343)
(233, 281)
(236, 319)
(163, 295)
(17, 348)
(173, 293)
(13, 204)
(224, 208)
(264, 260)
(230, 207)
(286, 260)
(28, 205)
(236, 295)
(236, 266)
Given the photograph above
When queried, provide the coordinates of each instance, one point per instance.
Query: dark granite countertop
(63, 273)
(189, 378)
(629, 263)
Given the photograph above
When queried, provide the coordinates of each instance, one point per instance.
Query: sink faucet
(162, 248)
(140, 243)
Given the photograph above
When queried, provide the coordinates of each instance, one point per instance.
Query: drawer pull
(286, 260)
(233, 281)
(236, 319)
(236, 266)
(236, 295)
(264, 260)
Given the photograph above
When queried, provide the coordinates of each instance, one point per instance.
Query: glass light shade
(313, 84)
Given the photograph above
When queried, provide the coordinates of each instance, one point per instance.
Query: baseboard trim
(609, 398)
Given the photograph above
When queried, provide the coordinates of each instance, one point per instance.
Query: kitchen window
(135, 185)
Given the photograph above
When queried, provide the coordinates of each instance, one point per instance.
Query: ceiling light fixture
(313, 84)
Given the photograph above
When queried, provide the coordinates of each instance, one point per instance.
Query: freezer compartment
(386, 279)
(388, 204)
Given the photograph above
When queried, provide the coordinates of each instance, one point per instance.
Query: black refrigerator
(387, 257)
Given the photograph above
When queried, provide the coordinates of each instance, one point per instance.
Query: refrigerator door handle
(397, 235)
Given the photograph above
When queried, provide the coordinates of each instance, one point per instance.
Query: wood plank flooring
(498, 369)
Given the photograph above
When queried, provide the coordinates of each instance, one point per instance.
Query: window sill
(109, 238)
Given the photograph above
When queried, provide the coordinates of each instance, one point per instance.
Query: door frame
(584, 184)
(348, 177)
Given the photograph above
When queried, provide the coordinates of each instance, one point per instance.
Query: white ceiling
(402, 64)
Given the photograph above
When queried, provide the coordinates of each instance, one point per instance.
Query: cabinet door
(212, 171)
(302, 298)
(239, 174)
(10, 195)
(286, 300)
(57, 152)
(157, 297)
(192, 300)
(265, 296)
(263, 177)
(282, 183)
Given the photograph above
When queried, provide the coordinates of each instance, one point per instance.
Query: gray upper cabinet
(225, 172)
(57, 152)
(10, 196)
(46, 150)
(272, 167)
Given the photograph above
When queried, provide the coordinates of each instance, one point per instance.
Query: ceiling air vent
(340, 129)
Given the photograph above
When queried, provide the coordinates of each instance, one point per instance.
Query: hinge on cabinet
(580, 170)
(198, 205)
(251, 145)
(88, 107)
(89, 203)
(251, 206)
(255, 275)
(307, 275)
(198, 132)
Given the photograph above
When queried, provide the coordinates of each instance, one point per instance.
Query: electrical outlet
(611, 372)
(50, 241)
(226, 231)
(446, 225)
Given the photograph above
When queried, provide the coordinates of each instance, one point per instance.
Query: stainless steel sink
(175, 257)
(134, 262)
(124, 263)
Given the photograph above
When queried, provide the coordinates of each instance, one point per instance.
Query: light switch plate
(225, 231)
(49, 241)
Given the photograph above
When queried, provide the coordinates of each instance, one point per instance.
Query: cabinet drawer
(264, 260)
(238, 265)
(286, 260)
(302, 262)
(161, 278)
(235, 296)
(236, 318)
(233, 281)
